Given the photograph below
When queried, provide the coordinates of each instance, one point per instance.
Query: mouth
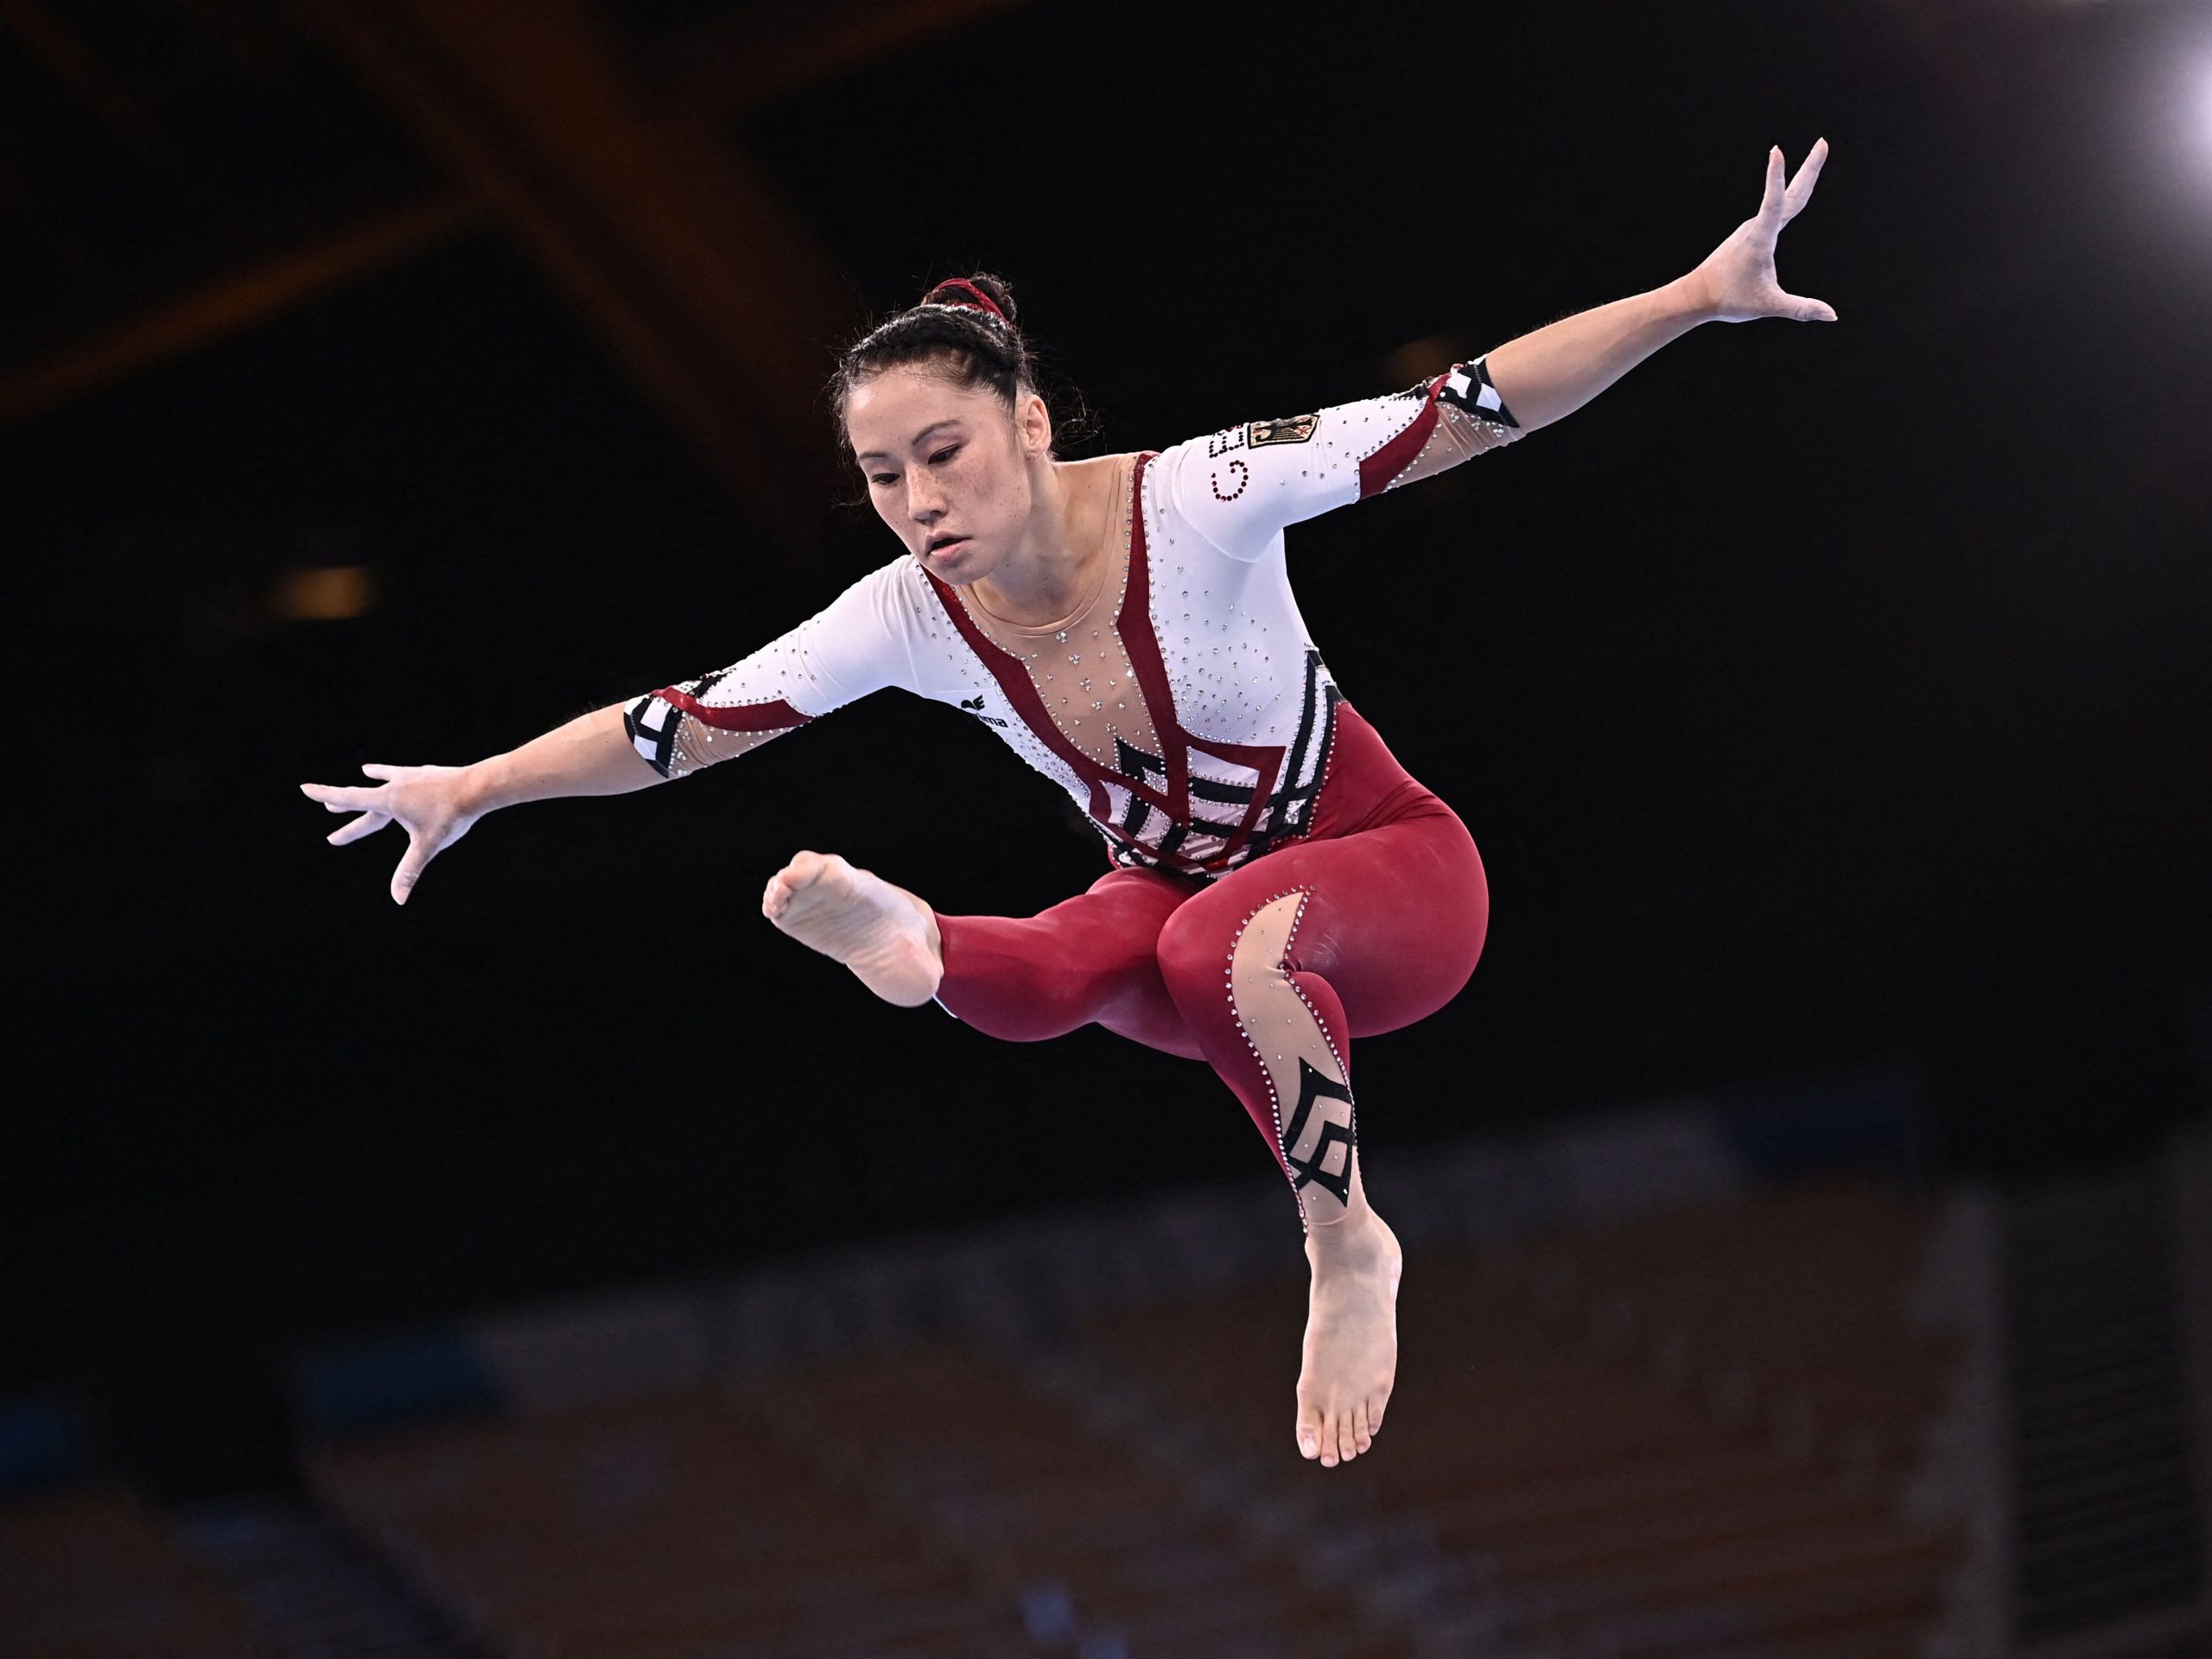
(940, 545)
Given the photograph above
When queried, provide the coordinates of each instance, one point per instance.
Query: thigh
(1395, 916)
(1090, 959)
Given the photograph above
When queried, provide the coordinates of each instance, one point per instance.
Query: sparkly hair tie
(983, 302)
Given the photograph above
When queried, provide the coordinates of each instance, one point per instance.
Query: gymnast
(1278, 884)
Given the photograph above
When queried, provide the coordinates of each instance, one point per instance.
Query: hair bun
(980, 291)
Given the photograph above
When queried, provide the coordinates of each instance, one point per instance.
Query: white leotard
(1183, 705)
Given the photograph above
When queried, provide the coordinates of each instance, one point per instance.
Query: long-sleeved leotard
(1183, 705)
(1282, 884)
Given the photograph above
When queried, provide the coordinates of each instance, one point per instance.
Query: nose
(924, 500)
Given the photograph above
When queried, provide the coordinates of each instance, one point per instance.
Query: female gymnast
(1280, 885)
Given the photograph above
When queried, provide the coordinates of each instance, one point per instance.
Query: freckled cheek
(985, 498)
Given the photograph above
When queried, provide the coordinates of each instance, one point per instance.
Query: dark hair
(950, 331)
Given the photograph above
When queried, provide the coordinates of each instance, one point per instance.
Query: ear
(1034, 422)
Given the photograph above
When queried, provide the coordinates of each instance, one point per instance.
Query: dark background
(1820, 697)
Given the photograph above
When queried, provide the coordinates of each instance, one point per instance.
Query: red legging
(1393, 910)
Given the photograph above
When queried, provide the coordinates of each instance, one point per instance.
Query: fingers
(339, 797)
(420, 852)
(1770, 202)
(1782, 199)
(372, 806)
(1801, 188)
(367, 825)
(1798, 308)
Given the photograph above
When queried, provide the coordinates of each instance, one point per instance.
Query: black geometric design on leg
(1312, 1088)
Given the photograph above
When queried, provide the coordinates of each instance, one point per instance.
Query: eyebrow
(878, 455)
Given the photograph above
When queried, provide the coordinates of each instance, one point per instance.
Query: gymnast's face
(948, 468)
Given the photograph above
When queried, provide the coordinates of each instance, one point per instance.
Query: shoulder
(893, 603)
(872, 623)
(880, 591)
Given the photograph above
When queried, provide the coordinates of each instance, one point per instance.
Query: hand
(428, 802)
(1737, 283)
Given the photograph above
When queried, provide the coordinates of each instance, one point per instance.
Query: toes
(1309, 1433)
(1362, 1427)
(1347, 1437)
(1375, 1413)
(785, 885)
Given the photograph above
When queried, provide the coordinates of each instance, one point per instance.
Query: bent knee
(1194, 948)
(1216, 949)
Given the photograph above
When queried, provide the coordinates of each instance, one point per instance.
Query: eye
(883, 478)
(945, 454)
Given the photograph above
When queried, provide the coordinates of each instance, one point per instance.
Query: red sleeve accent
(771, 716)
(1377, 470)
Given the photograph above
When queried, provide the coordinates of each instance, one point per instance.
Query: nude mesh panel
(1281, 1028)
(698, 744)
(1085, 680)
(1457, 436)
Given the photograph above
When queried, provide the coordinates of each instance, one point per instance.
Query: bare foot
(1351, 1336)
(883, 933)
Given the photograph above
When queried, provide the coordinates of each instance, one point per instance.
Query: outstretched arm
(1239, 487)
(436, 805)
(1554, 370)
(590, 755)
(852, 647)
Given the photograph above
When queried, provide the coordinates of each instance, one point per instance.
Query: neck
(1048, 571)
